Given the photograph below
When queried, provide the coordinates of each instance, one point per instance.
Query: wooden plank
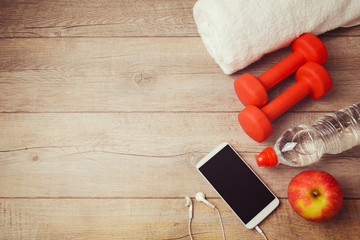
(152, 74)
(137, 154)
(158, 219)
(343, 32)
(105, 18)
(96, 18)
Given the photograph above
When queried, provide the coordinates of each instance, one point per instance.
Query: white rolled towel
(237, 33)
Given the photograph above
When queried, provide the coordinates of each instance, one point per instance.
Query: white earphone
(189, 204)
(200, 197)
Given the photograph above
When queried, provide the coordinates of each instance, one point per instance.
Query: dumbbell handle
(286, 100)
(282, 69)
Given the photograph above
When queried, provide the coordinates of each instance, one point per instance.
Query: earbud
(189, 204)
(201, 198)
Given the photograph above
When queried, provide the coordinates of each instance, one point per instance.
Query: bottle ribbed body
(332, 133)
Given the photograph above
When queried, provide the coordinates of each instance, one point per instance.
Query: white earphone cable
(261, 232)
(200, 196)
(222, 225)
(190, 229)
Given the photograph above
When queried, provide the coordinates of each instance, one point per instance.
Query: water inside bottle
(300, 146)
(332, 133)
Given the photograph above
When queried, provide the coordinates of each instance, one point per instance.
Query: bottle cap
(267, 158)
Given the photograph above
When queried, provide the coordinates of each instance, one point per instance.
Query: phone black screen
(237, 184)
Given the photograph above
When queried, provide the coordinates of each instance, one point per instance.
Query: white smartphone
(243, 191)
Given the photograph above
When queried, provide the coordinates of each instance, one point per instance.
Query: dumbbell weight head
(250, 90)
(316, 77)
(311, 47)
(255, 123)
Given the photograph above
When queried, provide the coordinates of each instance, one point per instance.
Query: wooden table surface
(106, 106)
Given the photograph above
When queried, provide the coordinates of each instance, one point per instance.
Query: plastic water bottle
(304, 144)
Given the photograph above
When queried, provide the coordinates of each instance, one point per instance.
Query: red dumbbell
(251, 90)
(311, 79)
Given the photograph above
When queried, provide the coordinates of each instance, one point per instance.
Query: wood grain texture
(158, 219)
(105, 18)
(108, 18)
(136, 154)
(106, 106)
(152, 74)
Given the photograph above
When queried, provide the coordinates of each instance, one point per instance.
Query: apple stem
(315, 193)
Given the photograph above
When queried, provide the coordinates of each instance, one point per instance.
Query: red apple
(315, 195)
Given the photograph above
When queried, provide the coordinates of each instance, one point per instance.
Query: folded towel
(238, 32)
